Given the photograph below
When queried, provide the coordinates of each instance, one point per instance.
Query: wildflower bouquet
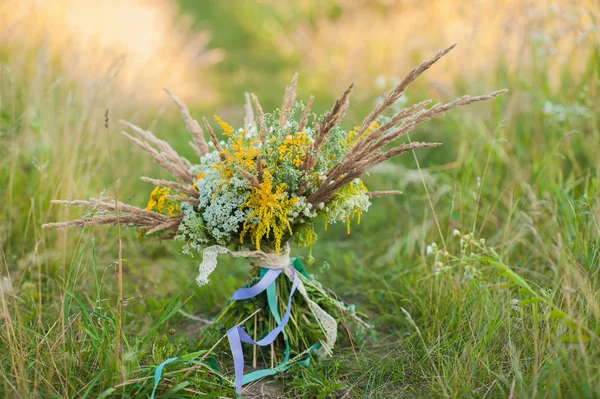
(263, 188)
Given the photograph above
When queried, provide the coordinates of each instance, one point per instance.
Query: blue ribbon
(237, 335)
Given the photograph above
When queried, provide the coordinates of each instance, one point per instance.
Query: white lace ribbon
(279, 260)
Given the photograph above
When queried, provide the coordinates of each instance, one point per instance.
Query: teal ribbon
(267, 372)
(272, 301)
(158, 373)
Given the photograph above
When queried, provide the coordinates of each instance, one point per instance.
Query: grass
(521, 173)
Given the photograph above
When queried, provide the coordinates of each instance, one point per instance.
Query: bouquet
(262, 189)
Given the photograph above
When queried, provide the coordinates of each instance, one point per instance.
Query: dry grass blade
(405, 113)
(434, 112)
(259, 168)
(289, 98)
(366, 152)
(346, 171)
(111, 206)
(172, 185)
(395, 94)
(170, 225)
(98, 220)
(189, 200)
(127, 214)
(112, 220)
(305, 113)
(162, 152)
(214, 139)
(252, 180)
(401, 149)
(249, 122)
(332, 119)
(376, 194)
(264, 132)
(199, 145)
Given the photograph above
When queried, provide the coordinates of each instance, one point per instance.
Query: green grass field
(515, 316)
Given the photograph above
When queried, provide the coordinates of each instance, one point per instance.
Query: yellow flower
(270, 208)
(227, 129)
(242, 153)
(198, 178)
(159, 202)
(294, 148)
(351, 138)
(356, 211)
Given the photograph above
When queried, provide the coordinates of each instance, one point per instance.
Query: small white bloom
(514, 304)
(456, 232)
(431, 248)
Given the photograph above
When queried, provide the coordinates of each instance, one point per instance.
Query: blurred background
(522, 172)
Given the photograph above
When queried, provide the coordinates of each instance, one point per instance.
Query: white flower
(514, 304)
(431, 248)
(455, 232)
(470, 273)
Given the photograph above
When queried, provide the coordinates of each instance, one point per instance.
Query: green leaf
(213, 364)
(575, 338)
(557, 314)
(505, 286)
(106, 393)
(175, 389)
(571, 324)
(192, 356)
(530, 301)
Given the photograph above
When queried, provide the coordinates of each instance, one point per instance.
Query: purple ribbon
(237, 335)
